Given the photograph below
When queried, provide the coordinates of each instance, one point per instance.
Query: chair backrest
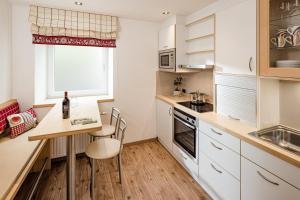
(115, 115)
(120, 134)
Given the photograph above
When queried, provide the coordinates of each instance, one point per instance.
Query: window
(82, 71)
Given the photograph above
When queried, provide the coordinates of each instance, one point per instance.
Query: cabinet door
(236, 39)
(277, 54)
(164, 123)
(167, 38)
(225, 186)
(259, 184)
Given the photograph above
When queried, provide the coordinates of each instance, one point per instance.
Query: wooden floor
(150, 173)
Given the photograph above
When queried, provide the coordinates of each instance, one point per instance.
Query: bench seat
(17, 157)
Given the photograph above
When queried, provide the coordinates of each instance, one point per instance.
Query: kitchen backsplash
(202, 81)
(290, 103)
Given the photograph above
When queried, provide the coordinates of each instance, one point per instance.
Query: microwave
(167, 60)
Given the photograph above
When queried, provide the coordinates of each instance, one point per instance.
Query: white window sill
(51, 102)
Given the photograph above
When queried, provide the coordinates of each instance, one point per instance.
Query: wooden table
(53, 125)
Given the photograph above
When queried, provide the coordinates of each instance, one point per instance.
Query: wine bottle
(66, 106)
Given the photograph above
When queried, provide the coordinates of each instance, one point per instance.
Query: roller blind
(66, 27)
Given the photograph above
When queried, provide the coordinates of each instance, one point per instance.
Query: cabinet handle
(213, 144)
(265, 178)
(170, 111)
(237, 119)
(250, 61)
(219, 171)
(216, 132)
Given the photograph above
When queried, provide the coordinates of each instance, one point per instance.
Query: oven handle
(188, 125)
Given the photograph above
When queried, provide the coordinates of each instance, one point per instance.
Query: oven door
(185, 136)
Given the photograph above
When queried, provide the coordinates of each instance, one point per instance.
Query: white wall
(134, 72)
(279, 103)
(290, 104)
(5, 51)
(135, 77)
(22, 57)
(212, 8)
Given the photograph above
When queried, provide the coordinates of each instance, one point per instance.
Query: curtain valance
(65, 27)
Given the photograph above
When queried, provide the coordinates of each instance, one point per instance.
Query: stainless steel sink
(284, 137)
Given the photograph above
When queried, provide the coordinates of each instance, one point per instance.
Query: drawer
(228, 159)
(223, 183)
(276, 166)
(185, 161)
(221, 136)
(259, 184)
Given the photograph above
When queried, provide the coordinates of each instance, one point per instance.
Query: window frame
(52, 94)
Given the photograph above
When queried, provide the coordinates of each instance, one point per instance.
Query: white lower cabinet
(164, 123)
(219, 180)
(228, 168)
(225, 157)
(187, 162)
(259, 184)
(219, 162)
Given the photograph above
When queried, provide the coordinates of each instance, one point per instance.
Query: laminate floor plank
(149, 173)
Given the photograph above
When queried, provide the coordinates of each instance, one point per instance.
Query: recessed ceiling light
(166, 13)
(77, 3)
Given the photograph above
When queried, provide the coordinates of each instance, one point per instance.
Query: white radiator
(58, 145)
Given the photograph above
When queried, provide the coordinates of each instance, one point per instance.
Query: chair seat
(107, 130)
(103, 148)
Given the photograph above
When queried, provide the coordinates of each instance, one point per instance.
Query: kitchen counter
(235, 128)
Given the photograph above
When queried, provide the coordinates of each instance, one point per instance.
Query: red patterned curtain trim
(73, 41)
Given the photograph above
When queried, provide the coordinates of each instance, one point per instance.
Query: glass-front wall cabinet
(280, 38)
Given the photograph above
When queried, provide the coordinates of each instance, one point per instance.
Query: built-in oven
(167, 60)
(185, 133)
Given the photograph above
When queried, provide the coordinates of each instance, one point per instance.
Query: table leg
(71, 167)
(93, 179)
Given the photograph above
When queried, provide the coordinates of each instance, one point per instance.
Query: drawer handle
(237, 119)
(265, 178)
(213, 130)
(213, 144)
(219, 171)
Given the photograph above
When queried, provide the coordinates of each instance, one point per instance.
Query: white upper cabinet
(167, 38)
(236, 39)
(164, 123)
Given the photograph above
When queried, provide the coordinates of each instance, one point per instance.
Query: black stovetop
(198, 107)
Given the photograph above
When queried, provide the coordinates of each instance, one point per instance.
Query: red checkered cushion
(22, 122)
(5, 112)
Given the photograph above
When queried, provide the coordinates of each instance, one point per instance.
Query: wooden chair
(108, 129)
(107, 148)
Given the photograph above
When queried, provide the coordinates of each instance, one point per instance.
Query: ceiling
(150, 10)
